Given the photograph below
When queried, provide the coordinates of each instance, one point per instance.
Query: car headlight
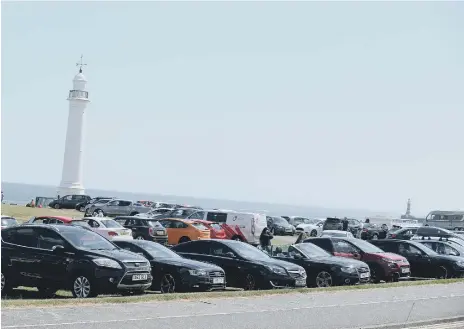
(198, 272)
(460, 263)
(349, 269)
(277, 270)
(106, 262)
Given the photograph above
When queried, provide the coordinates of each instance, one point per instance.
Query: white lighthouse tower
(71, 180)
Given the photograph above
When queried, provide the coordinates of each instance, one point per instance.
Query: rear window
(333, 220)
(217, 217)
(216, 226)
(109, 223)
(199, 226)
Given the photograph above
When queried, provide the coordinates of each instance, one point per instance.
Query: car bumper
(351, 278)
(203, 283)
(160, 239)
(108, 280)
(122, 237)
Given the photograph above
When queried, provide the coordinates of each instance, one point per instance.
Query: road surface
(321, 310)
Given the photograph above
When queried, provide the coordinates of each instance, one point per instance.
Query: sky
(334, 104)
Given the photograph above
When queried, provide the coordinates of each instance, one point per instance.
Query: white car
(109, 228)
(337, 234)
(311, 226)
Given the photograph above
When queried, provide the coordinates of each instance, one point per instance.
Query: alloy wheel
(375, 237)
(249, 282)
(324, 279)
(313, 233)
(139, 238)
(168, 284)
(81, 287)
(3, 281)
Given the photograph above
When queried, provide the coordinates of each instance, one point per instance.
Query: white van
(243, 226)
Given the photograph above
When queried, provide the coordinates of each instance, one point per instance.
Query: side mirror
(356, 255)
(229, 254)
(297, 256)
(58, 249)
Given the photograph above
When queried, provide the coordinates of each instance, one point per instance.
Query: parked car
(83, 206)
(313, 227)
(68, 201)
(371, 231)
(322, 268)
(296, 220)
(444, 247)
(279, 226)
(436, 233)
(180, 213)
(144, 228)
(215, 230)
(57, 220)
(425, 262)
(383, 265)
(117, 208)
(335, 233)
(405, 233)
(180, 231)
(245, 266)
(173, 273)
(109, 228)
(155, 212)
(53, 257)
(8, 221)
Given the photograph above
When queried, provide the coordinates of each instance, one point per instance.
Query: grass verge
(23, 213)
(15, 303)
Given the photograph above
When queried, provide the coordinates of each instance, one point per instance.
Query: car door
(138, 227)
(53, 263)
(419, 261)
(124, 208)
(111, 208)
(67, 202)
(233, 265)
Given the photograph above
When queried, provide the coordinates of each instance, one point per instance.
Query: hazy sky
(357, 105)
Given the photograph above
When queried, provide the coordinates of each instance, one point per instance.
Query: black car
(245, 266)
(81, 205)
(444, 247)
(405, 233)
(372, 231)
(68, 201)
(173, 273)
(180, 213)
(424, 262)
(322, 268)
(144, 228)
(53, 257)
(279, 226)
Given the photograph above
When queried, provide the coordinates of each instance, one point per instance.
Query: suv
(383, 265)
(81, 206)
(68, 201)
(436, 233)
(53, 257)
(116, 208)
(336, 224)
(144, 228)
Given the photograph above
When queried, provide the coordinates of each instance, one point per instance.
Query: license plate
(124, 233)
(300, 283)
(364, 275)
(139, 277)
(405, 270)
(218, 280)
(160, 233)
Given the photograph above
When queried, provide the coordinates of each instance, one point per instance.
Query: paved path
(324, 310)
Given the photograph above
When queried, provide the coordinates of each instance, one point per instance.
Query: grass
(64, 299)
(22, 213)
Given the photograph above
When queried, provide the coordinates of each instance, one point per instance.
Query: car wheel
(167, 284)
(375, 237)
(313, 233)
(82, 287)
(6, 285)
(250, 283)
(46, 292)
(81, 208)
(57, 206)
(442, 273)
(323, 279)
(184, 239)
(375, 275)
(139, 238)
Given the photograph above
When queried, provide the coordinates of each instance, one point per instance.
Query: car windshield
(199, 226)
(366, 246)
(109, 223)
(80, 222)
(89, 240)
(249, 252)
(157, 250)
(311, 250)
(279, 220)
(9, 221)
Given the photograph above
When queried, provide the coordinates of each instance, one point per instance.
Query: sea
(18, 193)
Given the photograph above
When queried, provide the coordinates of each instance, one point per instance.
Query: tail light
(393, 235)
(111, 233)
(151, 231)
(365, 230)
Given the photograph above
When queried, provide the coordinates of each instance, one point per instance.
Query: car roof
(62, 218)
(58, 228)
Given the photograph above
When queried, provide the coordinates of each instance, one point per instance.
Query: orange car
(183, 231)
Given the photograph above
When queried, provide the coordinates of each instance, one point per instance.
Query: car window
(113, 203)
(217, 217)
(444, 249)
(197, 215)
(408, 250)
(93, 223)
(47, 239)
(216, 226)
(124, 203)
(67, 198)
(109, 223)
(387, 247)
(345, 247)
(218, 249)
(200, 226)
(196, 247)
(166, 223)
(25, 237)
(178, 224)
(40, 220)
(322, 243)
(430, 245)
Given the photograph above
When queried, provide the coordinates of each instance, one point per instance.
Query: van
(242, 226)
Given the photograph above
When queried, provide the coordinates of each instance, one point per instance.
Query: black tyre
(140, 237)
(324, 279)
(47, 292)
(81, 208)
(313, 233)
(167, 284)
(184, 239)
(375, 237)
(7, 285)
(57, 206)
(82, 287)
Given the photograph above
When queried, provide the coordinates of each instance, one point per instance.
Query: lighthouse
(78, 98)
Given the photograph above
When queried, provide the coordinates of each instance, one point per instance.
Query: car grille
(216, 274)
(363, 269)
(297, 274)
(137, 266)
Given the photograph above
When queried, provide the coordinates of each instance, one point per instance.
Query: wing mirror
(58, 249)
(356, 255)
(229, 254)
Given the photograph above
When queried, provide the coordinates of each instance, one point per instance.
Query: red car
(383, 265)
(216, 231)
(57, 220)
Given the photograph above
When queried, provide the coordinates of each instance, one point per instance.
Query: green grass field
(22, 213)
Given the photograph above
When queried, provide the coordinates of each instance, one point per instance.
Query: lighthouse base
(70, 189)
